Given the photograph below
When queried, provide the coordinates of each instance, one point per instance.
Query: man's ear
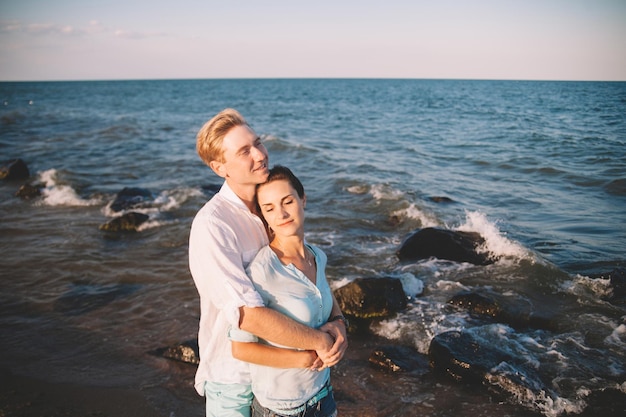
(304, 201)
(218, 168)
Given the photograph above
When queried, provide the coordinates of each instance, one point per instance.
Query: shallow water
(537, 168)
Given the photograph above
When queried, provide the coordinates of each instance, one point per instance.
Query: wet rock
(618, 284)
(366, 298)
(452, 245)
(514, 311)
(608, 402)
(128, 222)
(187, 352)
(28, 191)
(130, 197)
(468, 360)
(14, 169)
(398, 359)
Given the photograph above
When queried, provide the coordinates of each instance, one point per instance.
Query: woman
(289, 274)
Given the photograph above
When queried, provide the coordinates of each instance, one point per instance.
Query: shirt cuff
(237, 335)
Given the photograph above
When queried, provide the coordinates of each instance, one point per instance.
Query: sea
(537, 168)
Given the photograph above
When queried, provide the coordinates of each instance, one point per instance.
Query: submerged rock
(14, 169)
(130, 197)
(468, 360)
(84, 297)
(128, 222)
(187, 352)
(398, 359)
(440, 199)
(452, 245)
(28, 191)
(514, 311)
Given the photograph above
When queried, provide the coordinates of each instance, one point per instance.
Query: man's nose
(258, 153)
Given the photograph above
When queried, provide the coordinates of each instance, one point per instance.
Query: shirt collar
(228, 194)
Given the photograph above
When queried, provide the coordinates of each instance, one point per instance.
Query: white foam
(385, 192)
(173, 199)
(617, 337)
(495, 241)
(579, 285)
(414, 212)
(358, 189)
(151, 224)
(55, 194)
(412, 285)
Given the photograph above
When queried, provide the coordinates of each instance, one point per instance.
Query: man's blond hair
(211, 136)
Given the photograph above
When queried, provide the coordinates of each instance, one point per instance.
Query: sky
(441, 39)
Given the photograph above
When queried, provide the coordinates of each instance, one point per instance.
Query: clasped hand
(337, 344)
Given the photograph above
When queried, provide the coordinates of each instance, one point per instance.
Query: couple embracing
(270, 327)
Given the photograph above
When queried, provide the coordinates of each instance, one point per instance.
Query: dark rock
(366, 298)
(398, 359)
(618, 284)
(467, 360)
(437, 199)
(187, 352)
(515, 311)
(14, 169)
(608, 402)
(130, 197)
(28, 191)
(452, 245)
(527, 373)
(128, 222)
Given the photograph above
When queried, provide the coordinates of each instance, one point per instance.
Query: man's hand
(337, 330)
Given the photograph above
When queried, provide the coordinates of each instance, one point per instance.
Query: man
(225, 236)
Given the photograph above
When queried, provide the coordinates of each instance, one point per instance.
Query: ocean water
(537, 168)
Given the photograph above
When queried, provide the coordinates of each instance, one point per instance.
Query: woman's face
(281, 207)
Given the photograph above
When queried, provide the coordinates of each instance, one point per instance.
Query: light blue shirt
(286, 289)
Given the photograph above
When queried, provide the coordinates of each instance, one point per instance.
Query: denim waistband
(321, 394)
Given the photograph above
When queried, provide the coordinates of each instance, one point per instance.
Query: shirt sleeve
(216, 265)
(238, 335)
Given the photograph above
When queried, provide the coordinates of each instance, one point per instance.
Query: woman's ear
(218, 168)
(304, 201)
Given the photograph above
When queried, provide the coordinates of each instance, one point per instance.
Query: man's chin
(261, 176)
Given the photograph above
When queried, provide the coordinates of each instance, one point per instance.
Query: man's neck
(246, 193)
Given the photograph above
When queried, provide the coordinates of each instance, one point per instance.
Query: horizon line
(309, 78)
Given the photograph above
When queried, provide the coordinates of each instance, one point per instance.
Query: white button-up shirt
(225, 236)
(287, 290)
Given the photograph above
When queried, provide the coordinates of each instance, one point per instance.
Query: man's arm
(275, 357)
(271, 325)
(330, 342)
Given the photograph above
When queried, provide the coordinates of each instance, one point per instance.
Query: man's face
(245, 157)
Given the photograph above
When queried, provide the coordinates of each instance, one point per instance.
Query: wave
(166, 201)
(496, 242)
(57, 194)
(384, 193)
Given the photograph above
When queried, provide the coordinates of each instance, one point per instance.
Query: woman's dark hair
(279, 172)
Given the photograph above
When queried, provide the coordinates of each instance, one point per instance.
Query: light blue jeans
(227, 400)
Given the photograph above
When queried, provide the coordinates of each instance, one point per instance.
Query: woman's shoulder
(264, 259)
(317, 251)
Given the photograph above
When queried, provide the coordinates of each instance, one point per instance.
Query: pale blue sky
(148, 39)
